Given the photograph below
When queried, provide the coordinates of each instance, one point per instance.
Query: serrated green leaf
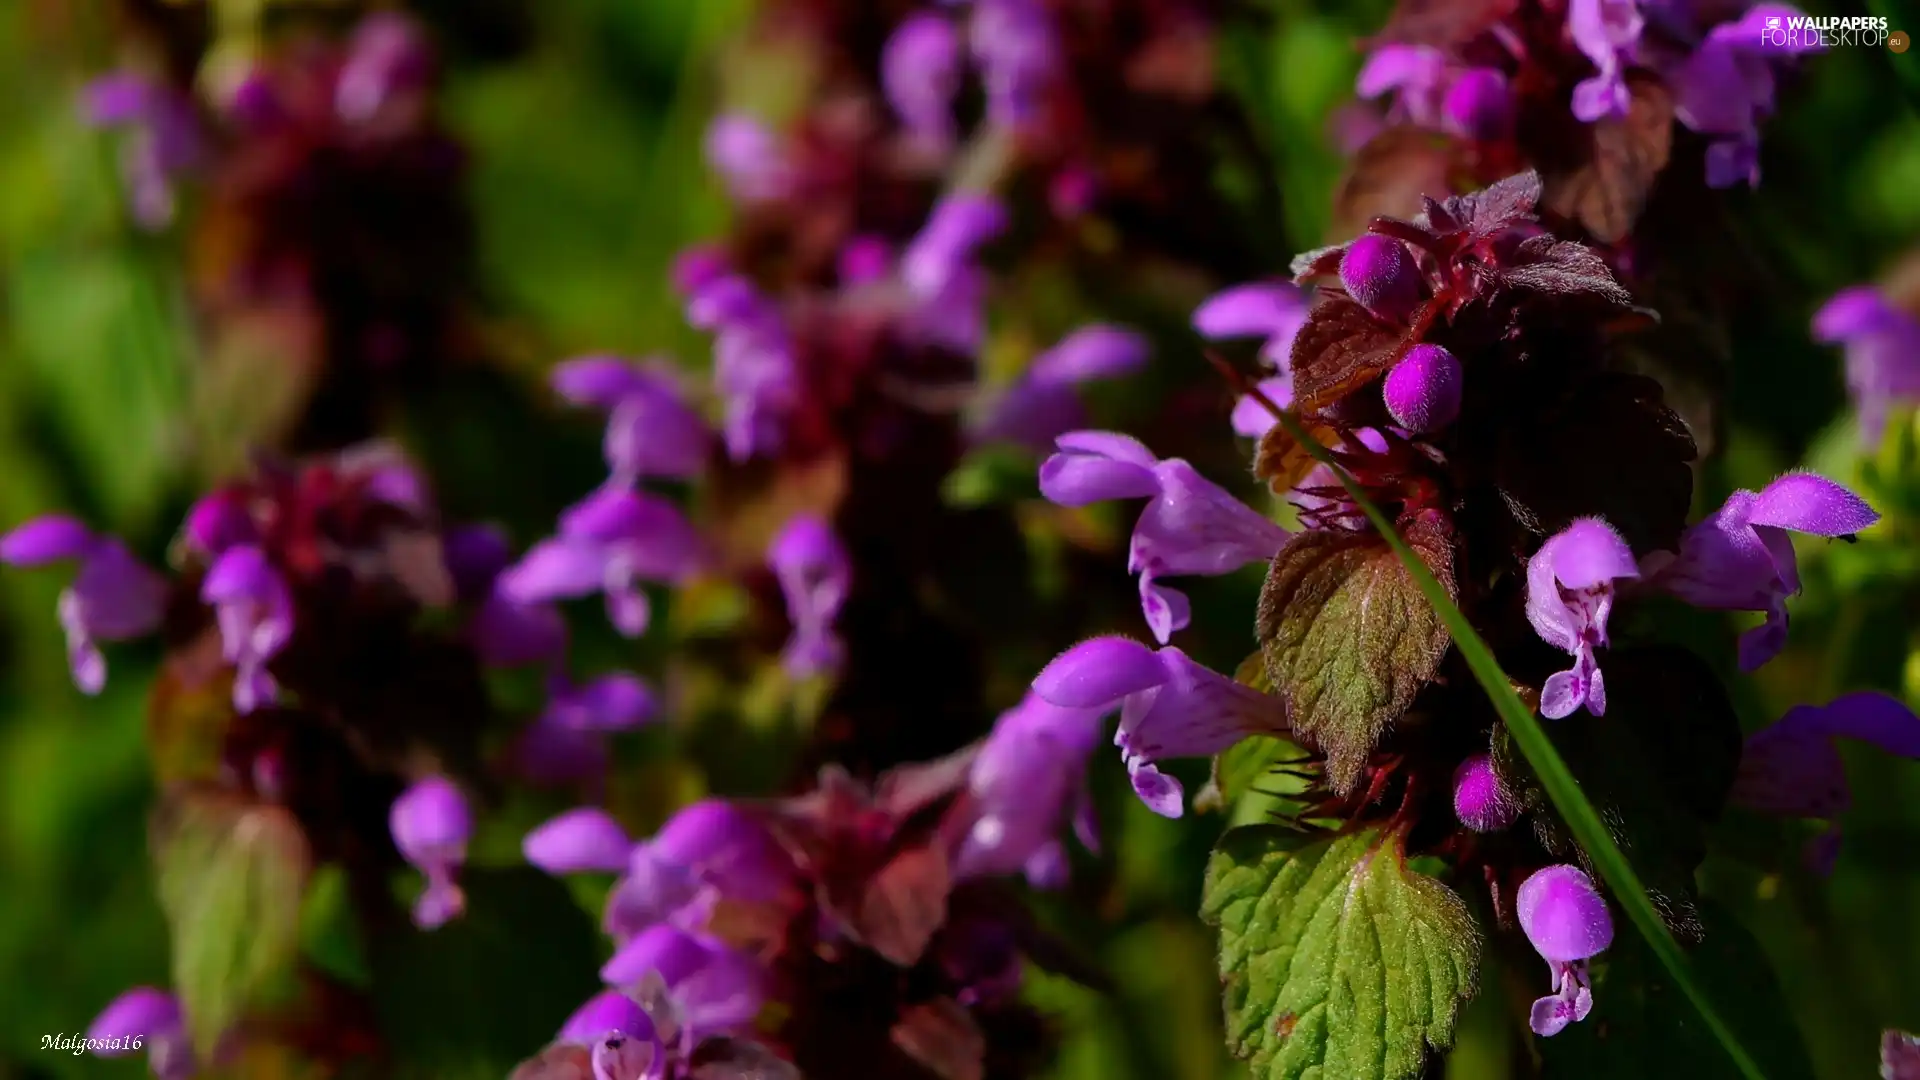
(1348, 639)
(1338, 960)
(231, 876)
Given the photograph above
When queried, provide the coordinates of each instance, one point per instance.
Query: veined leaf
(1339, 960)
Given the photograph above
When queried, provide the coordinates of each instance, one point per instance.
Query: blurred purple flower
(1415, 74)
(708, 850)
(431, 826)
(165, 142)
(1045, 404)
(921, 70)
(254, 609)
(945, 246)
(1740, 558)
(1725, 88)
(387, 60)
(1479, 104)
(692, 986)
(578, 841)
(753, 364)
(1568, 924)
(1026, 783)
(1899, 1056)
(865, 259)
(1607, 31)
(608, 543)
(1792, 767)
(815, 575)
(1883, 354)
(614, 702)
(1014, 46)
(651, 429)
(113, 597)
(606, 1012)
(504, 632)
(1570, 591)
(1274, 310)
(1190, 526)
(1169, 707)
(749, 157)
(155, 1018)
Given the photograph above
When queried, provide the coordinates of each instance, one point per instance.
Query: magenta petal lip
(1099, 672)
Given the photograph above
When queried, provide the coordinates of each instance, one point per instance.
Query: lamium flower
(709, 850)
(431, 826)
(749, 158)
(1190, 526)
(651, 429)
(1792, 767)
(754, 370)
(254, 610)
(1379, 272)
(1570, 592)
(1883, 354)
(920, 70)
(1045, 403)
(815, 575)
(165, 142)
(1567, 922)
(1607, 31)
(1274, 310)
(944, 248)
(579, 841)
(608, 543)
(1422, 392)
(1480, 800)
(1480, 105)
(504, 632)
(1415, 74)
(113, 597)
(694, 987)
(1740, 558)
(1018, 56)
(387, 62)
(155, 1018)
(617, 701)
(1027, 781)
(1170, 707)
(1725, 87)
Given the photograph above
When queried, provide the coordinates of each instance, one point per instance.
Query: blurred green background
(587, 178)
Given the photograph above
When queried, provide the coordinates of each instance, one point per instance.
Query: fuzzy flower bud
(1423, 390)
(1567, 922)
(1379, 272)
(1480, 801)
(1479, 104)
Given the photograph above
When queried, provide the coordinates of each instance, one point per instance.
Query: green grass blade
(1560, 784)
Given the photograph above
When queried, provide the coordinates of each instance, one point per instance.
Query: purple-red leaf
(1340, 349)
(942, 1035)
(1564, 270)
(905, 904)
(1607, 192)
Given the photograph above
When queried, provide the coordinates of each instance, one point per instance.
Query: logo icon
(1773, 22)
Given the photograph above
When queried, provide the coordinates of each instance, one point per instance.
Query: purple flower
(754, 369)
(578, 841)
(1883, 354)
(749, 158)
(112, 598)
(864, 260)
(651, 430)
(155, 1018)
(1422, 392)
(1169, 707)
(1044, 404)
(814, 574)
(613, 702)
(1741, 559)
(710, 849)
(504, 632)
(1480, 104)
(254, 609)
(1724, 88)
(1792, 767)
(1607, 31)
(623, 1041)
(619, 1056)
(1190, 526)
(1570, 590)
(388, 60)
(1379, 272)
(1567, 922)
(1480, 801)
(166, 142)
(1027, 781)
(1417, 74)
(692, 986)
(608, 543)
(920, 70)
(217, 522)
(431, 826)
(1274, 310)
(1013, 45)
(944, 248)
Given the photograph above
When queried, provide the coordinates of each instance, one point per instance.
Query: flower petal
(1805, 502)
(579, 840)
(1091, 352)
(47, 539)
(1098, 673)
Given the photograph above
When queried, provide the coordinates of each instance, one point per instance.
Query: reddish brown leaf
(905, 791)
(904, 905)
(1563, 270)
(941, 1035)
(1607, 192)
(1282, 461)
(1340, 349)
(1388, 176)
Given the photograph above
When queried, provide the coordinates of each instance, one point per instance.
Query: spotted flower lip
(431, 826)
(1740, 558)
(155, 1017)
(1170, 707)
(1567, 923)
(254, 609)
(1027, 781)
(1190, 525)
(608, 543)
(113, 596)
(1882, 344)
(1793, 768)
(815, 575)
(651, 428)
(1570, 593)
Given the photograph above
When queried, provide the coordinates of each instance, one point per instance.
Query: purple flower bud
(1026, 782)
(153, 1016)
(1567, 922)
(1423, 390)
(1169, 707)
(815, 576)
(920, 69)
(749, 158)
(579, 841)
(254, 609)
(865, 259)
(1381, 275)
(1480, 104)
(113, 597)
(1570, 591)
(219, 521)
(1480, 801)
(431, 826)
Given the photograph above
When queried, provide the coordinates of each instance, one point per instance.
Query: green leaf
(1639, 1028)
(232, 876)
(1560, 785)
(1338, 960)
(1348, 639)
